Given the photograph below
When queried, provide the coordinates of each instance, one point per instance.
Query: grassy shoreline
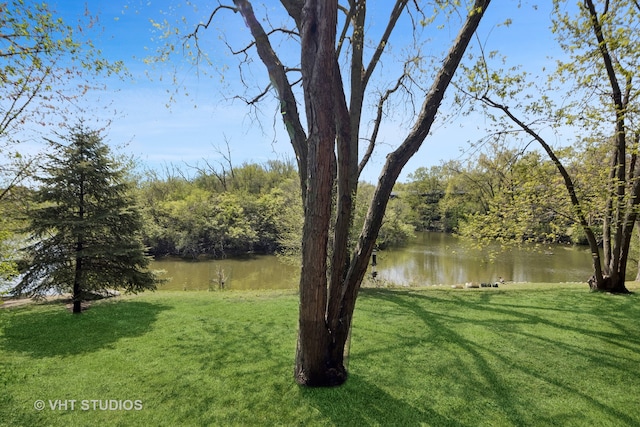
(522, 354)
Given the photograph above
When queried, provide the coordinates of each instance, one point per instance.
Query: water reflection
(438, 258)
(255, 272)
(430, 259)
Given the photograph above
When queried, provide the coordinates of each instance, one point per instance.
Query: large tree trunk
(314, 366)
(323, 334)
(328, 292)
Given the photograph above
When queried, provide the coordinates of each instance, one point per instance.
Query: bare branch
(395, 15)
(259, 96)
(200, 26)
(20, 174)
(226, 156)
(378, 121)
(205, 26)
(278, 77)
(27, 94)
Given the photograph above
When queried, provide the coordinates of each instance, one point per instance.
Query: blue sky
(188, 130)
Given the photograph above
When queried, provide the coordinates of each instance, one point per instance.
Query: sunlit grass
(517, 355)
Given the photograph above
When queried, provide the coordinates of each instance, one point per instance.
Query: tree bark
(313, 366)
(341, 307)
(328, 292)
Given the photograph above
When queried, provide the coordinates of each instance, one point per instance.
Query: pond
(439, 258)
(250, 272)
(429, 259)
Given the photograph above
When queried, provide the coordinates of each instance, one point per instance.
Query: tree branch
(384, 40)
(378, 121)
(569, 185)
(397, 159)
(279, 80)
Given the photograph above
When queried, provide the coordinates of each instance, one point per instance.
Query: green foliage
(252, 208)
(46, 66)
(281, 218)
(504, 194)
(8, 265)
(422, 194)
(527, 202)
(397, 227)
(12, 221)
(590, 100)
(84, 225)
(441, 196)
(209, 223)
(583, 68)
(46, 63)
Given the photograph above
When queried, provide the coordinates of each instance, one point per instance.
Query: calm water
(430, 259)
(255, 272)
(438, 258)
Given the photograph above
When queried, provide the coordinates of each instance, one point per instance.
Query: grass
(514, 356)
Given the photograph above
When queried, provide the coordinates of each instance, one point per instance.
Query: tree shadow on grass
(504, 319)
(54, 331)
(359, 403)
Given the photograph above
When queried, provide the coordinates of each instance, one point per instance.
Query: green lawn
(516, 356)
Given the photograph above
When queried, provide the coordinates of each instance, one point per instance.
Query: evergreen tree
(85, 226)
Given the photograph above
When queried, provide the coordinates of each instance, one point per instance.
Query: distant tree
(84, 226)
(196, 216)
(522, 199)
(423, 192)
(12, 220)
(593, 94)
(397, 225)
(46, 65)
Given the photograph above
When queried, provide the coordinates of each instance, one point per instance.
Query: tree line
(220, 211)
(501, 194)
(506, 194)
(225, 210)
(231, 210)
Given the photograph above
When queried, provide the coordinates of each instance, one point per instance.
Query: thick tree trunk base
(319, 361)
(326, 377)
(78, 306)
(608, 284)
